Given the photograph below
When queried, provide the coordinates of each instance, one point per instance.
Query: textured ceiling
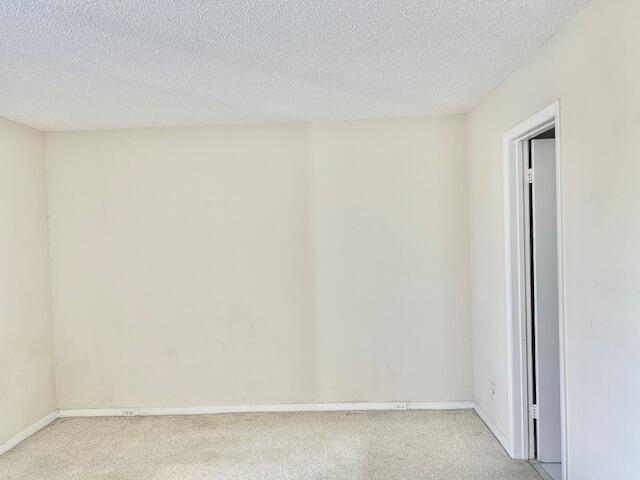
(70, 64)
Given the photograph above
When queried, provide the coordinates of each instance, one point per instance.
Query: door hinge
(533, 411)
(530, 175)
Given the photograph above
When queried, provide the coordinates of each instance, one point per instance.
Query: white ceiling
(70, 64)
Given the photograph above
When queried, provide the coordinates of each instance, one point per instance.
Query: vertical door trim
(515, 282)
(528, 330)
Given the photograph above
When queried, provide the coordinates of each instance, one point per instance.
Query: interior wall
(27, 391)
(593, 67)
(182, 266)
(260, 264)
(391, 259)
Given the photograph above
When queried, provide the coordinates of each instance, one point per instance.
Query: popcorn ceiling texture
(70, 64)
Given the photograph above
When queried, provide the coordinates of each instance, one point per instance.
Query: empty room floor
(369, 445)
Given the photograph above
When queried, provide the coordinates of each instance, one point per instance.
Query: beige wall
(181, 266)
(593, 67)
(27, 386)
(391, 259)
(261, 264)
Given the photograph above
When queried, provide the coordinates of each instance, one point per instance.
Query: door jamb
(515, 282)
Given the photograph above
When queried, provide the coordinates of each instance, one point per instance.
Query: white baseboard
(282, 407)
(494, 429)
(27, 432)
(464, 405)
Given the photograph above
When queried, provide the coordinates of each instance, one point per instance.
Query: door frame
(514, 152)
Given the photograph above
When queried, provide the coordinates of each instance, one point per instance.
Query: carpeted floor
(410, 445)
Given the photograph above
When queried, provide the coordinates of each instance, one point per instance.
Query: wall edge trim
(508, 446)
(27, 432)
(264, 408)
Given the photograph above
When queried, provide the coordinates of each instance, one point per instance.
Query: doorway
(543, 329)
(535, 306)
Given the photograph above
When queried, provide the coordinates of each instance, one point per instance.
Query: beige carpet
(367, 446)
